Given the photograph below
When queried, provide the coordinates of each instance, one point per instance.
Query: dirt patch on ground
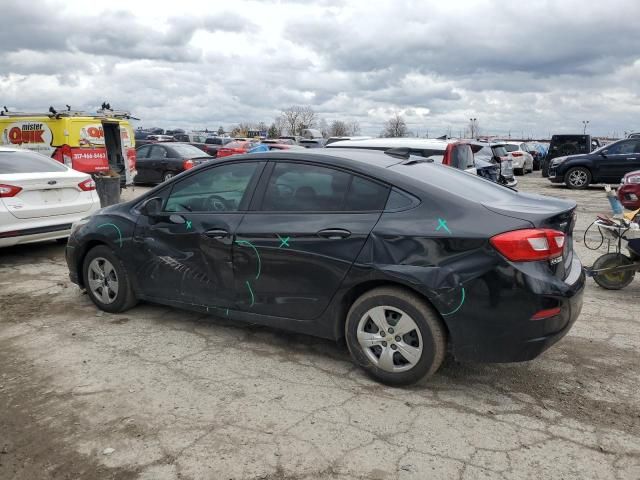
(29, 448)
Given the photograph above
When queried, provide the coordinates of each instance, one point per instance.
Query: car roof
(400, 142)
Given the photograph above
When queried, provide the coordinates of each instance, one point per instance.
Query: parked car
(40, 197)
(565, 145)
(536, 154)
(189, 137)
(159, 162)
(521, 159)
(608, 164)
(213, 144)
(454, 153)
(496, 153)
(283, 146)
(337, 139)
(629, 190)
(236, 147)
(312, 142)
(403, 257)
(634, 135)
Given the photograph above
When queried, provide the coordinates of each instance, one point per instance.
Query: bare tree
(354, 127)
(241, 130)
(338, 129)
(324, 128)
(297, 117)
(395, 127)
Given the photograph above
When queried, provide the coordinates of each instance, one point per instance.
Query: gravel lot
(158, 393)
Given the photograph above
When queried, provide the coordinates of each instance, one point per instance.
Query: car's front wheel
(395, 336)
(578, 178)
(106, 280)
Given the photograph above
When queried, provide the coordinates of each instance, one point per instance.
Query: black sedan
(400, 255)
(607, 164)
(158, 162)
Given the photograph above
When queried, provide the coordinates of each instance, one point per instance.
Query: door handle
(334, 233)
(217, 233)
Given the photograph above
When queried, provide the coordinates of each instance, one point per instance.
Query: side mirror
(152, 207)
(604, 153)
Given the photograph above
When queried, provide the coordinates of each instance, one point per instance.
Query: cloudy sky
(532, 68)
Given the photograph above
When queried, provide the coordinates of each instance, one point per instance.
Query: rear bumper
(37, 234)
(504, 331)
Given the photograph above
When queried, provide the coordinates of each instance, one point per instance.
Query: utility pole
(584, 129)
(473, 122)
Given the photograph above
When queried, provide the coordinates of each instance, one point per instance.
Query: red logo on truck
(29, 133)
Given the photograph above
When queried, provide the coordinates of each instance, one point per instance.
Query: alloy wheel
(578, 178)
(390, 338)
(103, 280)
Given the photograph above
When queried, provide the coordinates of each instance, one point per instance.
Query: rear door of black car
(157, 163)
(143, 164)
(299, 240)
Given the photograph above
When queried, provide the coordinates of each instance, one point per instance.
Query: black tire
(577, 178)
(429, 324)
(613, 281)
(518, 171)
(125, 297)
(166, 176)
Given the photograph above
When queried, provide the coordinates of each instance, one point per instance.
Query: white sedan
(40, 198)
(521, 158)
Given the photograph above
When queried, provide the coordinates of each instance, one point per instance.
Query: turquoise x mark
(284, 242)
(188, 224)
(443, 224)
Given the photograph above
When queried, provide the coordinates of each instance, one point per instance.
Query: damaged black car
(404, 258)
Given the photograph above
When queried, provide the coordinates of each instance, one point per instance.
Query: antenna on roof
(68, 108)
(52, 111)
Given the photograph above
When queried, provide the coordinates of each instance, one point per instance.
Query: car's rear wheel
(577, 178)
(613, 280)
(107, 281)
(168, 176)
(395, 336)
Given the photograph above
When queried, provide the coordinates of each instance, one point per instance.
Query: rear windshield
(456, 181)
(499, 151)
(511, 148)
(28, 162)
(188, 151)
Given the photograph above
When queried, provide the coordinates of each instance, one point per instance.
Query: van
(90, 143)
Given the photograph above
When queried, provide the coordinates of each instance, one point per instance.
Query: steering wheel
(216, 203)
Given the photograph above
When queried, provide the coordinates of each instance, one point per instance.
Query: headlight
(633, 179)
(79, 224)
(557, 161)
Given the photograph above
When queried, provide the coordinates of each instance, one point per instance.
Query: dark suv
(608, 164)
(564, 145)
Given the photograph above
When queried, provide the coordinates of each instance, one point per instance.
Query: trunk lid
(44, 195)
(544, 212)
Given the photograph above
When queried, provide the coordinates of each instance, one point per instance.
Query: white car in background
(40, 198)
(522, 160)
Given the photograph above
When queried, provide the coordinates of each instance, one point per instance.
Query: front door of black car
(291, 256)
(621, 158)
(186, 251)
(158, 160)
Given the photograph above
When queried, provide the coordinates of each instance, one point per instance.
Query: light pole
(585, 123)
(473, 127)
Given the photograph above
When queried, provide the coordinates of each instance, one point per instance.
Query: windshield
(511, 148)
(28, 162)
(499, 151)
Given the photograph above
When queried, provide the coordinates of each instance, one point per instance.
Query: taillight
(547, 313)
(87, 185)
(9, 190)
(529, 245)
(187, 164)
(517, 154)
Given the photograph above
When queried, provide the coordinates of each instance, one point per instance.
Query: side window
(158, 152)
(399, 200)
(296, 188)
(217, 189)
(624, 148)
(366, 195)
(143, 152)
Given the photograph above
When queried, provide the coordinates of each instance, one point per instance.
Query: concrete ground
(161, 394)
